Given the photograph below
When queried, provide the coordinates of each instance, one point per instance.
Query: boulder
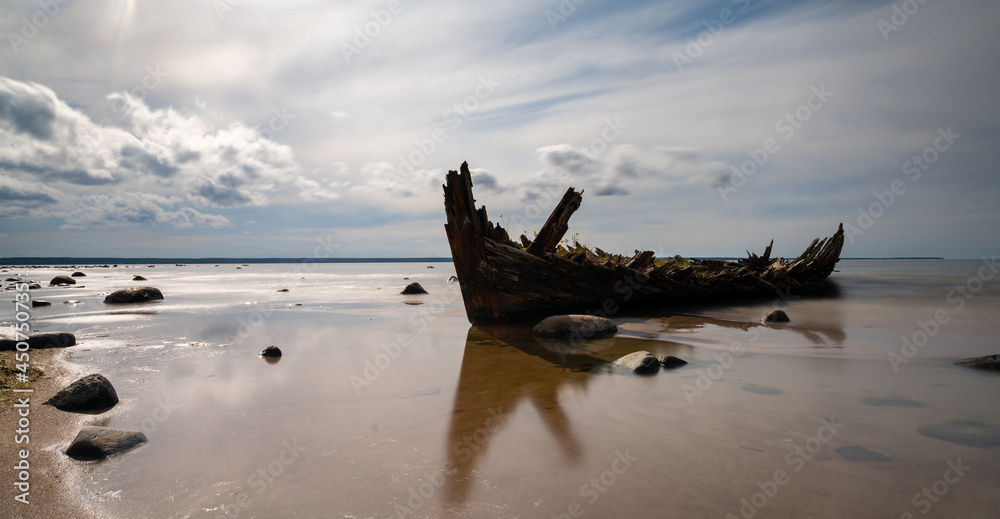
(90, 393)
(271, 351)
(776, 316)
(670, 362)
(78, 274)
(97, 443)
(41, 341)
(62, 280)
(639, 363)
(134, 295)
(986, 362)
(575, 326)
(138, 278)
(413, 288)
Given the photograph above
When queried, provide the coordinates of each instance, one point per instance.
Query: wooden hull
(503, 281)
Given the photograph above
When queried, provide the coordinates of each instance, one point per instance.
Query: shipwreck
(506, 281)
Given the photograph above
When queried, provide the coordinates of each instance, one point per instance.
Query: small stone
(776, 316)
(90, 393)
(97, 443)
(640, 363)
(271, 351)
(669, 361)
(283, 290)
(575, 326)
(452, 279)
(40, 302)
(78, 275)
(62, 280)
(413, 288)
(138, 278)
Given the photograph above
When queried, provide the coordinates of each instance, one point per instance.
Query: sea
(386, 405)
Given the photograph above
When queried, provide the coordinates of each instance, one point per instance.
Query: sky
(308, 128)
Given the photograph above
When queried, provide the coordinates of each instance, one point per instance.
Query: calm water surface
(386, 405)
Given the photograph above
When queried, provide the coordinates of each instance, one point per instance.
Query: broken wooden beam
(556, 226)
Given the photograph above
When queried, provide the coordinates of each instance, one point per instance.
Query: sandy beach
(50, 430)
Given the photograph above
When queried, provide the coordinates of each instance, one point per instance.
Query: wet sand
(51, 430)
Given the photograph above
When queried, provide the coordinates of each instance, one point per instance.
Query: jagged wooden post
(557, 224)
(465, 230)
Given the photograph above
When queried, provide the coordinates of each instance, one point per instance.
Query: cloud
(153, 169)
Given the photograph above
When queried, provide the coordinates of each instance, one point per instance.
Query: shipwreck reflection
(505, 366)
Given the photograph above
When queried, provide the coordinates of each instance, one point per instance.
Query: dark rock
(859, 453)
(640, 363)
(97, 443)
(575, 326)
(271, 351)
(776, 316)
(413, 288)
(40, 302)
(62, 280)
(283, 290)
(78, 275)
(969, 434)
(12, 279)
(669, 361)
(452, 279)
(34, 286)
(90, 393)
(430, 266)
(42, 340)
(987, 362)
(138, 278)
(134, 295)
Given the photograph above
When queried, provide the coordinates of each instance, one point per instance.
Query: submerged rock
(283, 290)
(969, 434)
(413, 288)
(134, 295)
(776, 316)
(90, 393)
(859, 453)
(62, 280)
(96, 443)
(640, 363)
(138, 278)
(271, 351)
(986, 362)
(575, 326)
(42, 340)
(670, 362)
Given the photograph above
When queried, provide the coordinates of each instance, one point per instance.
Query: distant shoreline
(102, 261)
